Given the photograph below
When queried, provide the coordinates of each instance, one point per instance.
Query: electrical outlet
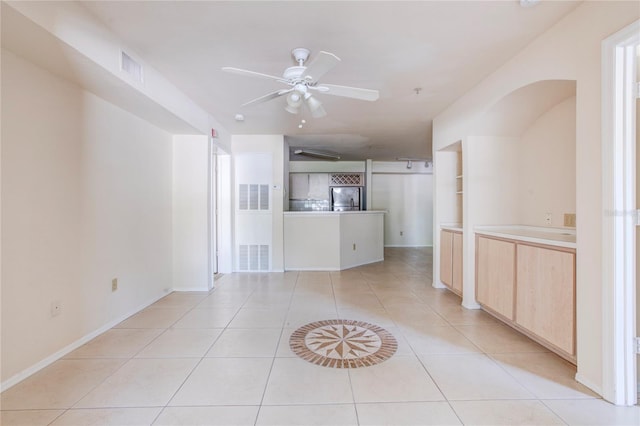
(114, 284)
(56, 308)
(547, 218)
(401, 233)
(354, 246)
(570, 220)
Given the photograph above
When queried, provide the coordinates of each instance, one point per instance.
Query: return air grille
(347, 179)
(253, 257)
(131, 67)
(253, 196)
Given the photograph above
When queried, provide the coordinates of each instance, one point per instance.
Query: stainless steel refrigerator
(346, 198)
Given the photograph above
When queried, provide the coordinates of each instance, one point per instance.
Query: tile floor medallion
(342, 343)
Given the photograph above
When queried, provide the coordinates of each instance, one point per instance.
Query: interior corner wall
(190, 213)
(225, 214)
(547, 167)
(408, 200)
(569, 50)
(86, 197)
(638, 227)
(490, 189)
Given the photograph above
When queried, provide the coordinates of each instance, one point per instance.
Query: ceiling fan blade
(267, 97)
(322, 63)
(248, 73)
(350, 92)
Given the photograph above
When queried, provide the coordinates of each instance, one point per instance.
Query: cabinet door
(446, 257)
(546, 294)
(319, 186)
(298, 186)
(456, 281)
(495, 275)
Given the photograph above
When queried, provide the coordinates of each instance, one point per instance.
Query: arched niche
(516, 112)
(521, 158)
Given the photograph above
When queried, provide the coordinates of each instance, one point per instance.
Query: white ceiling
(442, 47)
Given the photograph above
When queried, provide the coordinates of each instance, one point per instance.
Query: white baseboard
(470, 305)
(322, 269)
(407, 246)
(188, 289)
(342, 268)
(17, 378)
(588, 383)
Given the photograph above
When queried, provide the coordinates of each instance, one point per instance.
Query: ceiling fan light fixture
(312, 102)
(292, 109)
(294, 99)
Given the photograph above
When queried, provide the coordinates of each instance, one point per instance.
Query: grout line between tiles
(201, 358)
(353, 395)
(273, 361)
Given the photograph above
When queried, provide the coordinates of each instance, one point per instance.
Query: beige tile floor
(222, 358)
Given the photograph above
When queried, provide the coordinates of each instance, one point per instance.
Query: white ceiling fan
(303, 80)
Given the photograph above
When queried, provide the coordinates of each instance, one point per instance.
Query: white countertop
(331, 213)
(562, 237)
(456, 227)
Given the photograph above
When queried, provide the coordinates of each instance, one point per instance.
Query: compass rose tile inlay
(343, 343)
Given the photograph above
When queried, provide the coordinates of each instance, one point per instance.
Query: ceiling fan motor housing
(293, 73)
(300, 54)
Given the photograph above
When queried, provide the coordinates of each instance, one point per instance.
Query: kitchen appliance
(346, 198)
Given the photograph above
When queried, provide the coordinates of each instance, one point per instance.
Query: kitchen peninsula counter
(332, 241)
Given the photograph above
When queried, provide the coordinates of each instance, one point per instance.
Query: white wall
(361, 239)
(225, 214)
(490, 186)
(94, 53)
(547, 167)
(570, 50)
(87, 196)
(191, 213)
(332, 241)
(319, 235)
(408, 200)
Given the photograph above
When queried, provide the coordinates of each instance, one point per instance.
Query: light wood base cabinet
(495, 275)
(456, 273)
(530, 287)
(451, 260)
(545, 301)
(446, 257)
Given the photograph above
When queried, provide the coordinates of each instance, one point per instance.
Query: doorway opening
(620, 219)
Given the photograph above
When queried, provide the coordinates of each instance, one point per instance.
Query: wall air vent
(253, 196)
(132, 68)
(253, 257)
